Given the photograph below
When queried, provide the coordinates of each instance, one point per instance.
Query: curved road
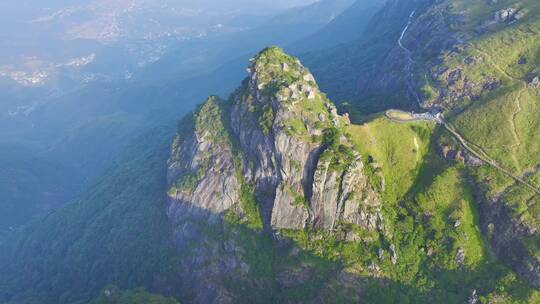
(439, 119)
(410, 61)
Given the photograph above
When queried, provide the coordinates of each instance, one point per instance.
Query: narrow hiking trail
(514, 118)
(484, 157)
(515, 133)
(518, 110)
(403, 32)
(410, 61)
(474, 149)
(478, 148)
(489, 160)
(494, 63)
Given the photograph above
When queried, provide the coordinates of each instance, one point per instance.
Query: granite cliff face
(201, 168)
(303, 171)
(272, 196)
(273, 157)
(278, 157)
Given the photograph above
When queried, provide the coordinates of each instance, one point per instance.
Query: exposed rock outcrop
(458, 155)
(279, 116)
(274, 152)
(507, 236)
(340, 175)
(510, 14)
(201, 171)
(533, 80)
(202, 186)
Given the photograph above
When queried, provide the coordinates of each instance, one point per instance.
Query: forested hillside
(415, 180)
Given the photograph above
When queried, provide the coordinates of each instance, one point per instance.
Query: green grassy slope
(431, 216)
(504, 122)
(117, 233)
(398, 149)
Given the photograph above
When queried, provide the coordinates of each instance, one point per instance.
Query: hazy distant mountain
(276, 194)
(347, 26)
(94, 104)
(43, 41)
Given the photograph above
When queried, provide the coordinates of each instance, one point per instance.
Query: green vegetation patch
(266, 119)
(250, 207)
(208, 120)
(331, 138)
(503, 123)
(276, 70)
(449, 209)
(396, 149)
(186, 183)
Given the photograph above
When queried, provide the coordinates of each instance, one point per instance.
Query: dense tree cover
(116, 232)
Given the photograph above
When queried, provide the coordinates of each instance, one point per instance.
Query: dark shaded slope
(354, 71)
(84, 128)
(288, 27)
(347, 27)
(118, 233)
(115, 233)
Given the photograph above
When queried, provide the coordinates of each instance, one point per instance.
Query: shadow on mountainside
(118, 233)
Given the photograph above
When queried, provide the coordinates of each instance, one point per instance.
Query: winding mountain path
(487, 159)
(403, 32)
(410, 61)
(438, 118)
(515, 134)
(514, 127)
(468, 146)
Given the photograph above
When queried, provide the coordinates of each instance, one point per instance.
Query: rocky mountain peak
(276, 74)
(289, 153)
